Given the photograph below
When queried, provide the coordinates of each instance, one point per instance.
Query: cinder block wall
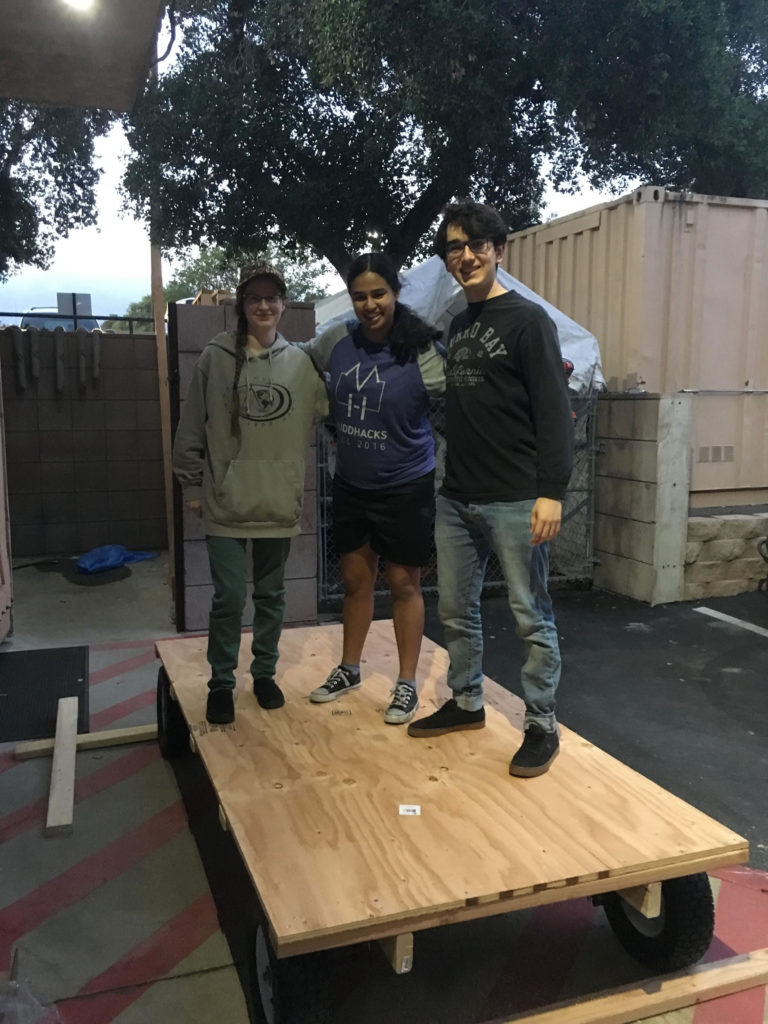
(647, 545)
(192, 329)
(83, 442)
(641, 495)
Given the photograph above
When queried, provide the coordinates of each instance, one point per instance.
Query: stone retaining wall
(721, 557)
(647, 545)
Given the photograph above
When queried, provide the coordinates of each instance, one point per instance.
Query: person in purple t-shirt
(381, 370)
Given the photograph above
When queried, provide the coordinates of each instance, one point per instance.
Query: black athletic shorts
(398, 523)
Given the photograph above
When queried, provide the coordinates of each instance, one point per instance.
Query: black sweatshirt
(509, 427)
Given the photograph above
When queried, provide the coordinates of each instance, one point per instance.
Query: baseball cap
(261, 269)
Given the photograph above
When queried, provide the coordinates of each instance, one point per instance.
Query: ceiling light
(79, 5)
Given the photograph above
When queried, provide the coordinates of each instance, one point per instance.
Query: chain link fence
(570, 554)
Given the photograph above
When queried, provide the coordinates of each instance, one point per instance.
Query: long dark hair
(409, 334)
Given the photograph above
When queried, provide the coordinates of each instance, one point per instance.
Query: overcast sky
(111, 260)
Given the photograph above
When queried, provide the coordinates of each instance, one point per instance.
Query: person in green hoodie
(239, 455)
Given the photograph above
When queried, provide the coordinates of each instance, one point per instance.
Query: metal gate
(570, 554)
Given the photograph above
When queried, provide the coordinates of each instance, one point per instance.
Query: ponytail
(410, 334)
(241, 338)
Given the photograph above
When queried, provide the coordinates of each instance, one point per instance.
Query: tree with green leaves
(345, 125)
(219, 268)
(47, 179)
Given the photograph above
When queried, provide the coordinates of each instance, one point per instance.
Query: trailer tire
(172, 729)
(289, 991)
(679, 936)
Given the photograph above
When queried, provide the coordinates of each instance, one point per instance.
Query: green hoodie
(252, 486)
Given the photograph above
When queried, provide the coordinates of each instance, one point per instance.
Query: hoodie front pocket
(262, 491)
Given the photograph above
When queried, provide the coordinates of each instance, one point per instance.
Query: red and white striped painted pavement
(115, 922)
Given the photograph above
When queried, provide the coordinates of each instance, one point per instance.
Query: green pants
(227, 560)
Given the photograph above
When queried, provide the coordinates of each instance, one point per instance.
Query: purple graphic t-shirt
(379, 407)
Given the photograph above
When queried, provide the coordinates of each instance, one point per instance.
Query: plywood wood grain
(313, 794)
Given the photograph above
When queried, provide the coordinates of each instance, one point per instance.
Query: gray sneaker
(405, 701)
(339, 682)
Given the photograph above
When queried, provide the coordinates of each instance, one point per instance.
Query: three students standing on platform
(509, 432)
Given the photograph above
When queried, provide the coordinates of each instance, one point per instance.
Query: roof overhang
(51, 53)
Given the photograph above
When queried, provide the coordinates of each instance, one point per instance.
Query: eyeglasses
(455, 250)
(254, 300)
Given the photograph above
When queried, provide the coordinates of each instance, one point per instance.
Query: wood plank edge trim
(310, 942)
(629, 1003)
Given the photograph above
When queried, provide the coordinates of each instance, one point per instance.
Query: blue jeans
(465, 535)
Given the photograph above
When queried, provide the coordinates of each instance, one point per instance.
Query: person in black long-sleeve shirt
(509, 434)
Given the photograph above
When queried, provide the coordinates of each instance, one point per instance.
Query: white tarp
(433, 293)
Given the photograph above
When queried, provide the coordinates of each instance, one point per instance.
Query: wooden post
(646, 899)
(158, 307)
(158, 312)
(398, 949)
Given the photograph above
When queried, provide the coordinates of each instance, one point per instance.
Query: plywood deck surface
(314, 795)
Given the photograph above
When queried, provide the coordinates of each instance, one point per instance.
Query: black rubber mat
(31, 683)
(68, 569)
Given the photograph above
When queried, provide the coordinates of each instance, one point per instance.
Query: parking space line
(760, 630)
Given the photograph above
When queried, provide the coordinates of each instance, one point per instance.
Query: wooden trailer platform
(351, 830)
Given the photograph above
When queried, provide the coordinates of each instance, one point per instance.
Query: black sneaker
(539, 749)
(405, 701)
(339, 682)
(268, 693)
(220, 707)
(449, 718)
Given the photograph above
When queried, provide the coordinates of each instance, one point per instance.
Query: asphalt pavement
(677, 694)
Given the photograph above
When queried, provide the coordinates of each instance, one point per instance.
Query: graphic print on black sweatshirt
(467, 354)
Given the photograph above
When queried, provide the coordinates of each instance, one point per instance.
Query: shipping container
(674, 285)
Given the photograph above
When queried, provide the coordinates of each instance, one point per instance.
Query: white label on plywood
(413, 809)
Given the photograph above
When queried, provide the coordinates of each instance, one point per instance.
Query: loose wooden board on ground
(314, 795)
(88, 741)
(631, 1003)
(61, 797)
